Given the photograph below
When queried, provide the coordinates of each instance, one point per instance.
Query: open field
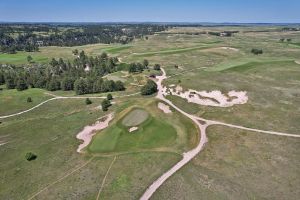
(45, 54)
(238, 165)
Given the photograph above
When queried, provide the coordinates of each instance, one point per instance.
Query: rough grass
(12, 101)
(238, 165)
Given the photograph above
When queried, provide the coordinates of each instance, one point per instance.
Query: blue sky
(279, 11)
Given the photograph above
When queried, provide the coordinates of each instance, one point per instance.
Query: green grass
(170, 51)
(153, 133)
(115, 50)
(12, 101)
(135, 117)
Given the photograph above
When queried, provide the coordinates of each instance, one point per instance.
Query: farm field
(144, 141)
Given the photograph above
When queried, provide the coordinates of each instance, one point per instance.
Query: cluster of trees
(9, 44)
(105, 104)
(138, 67)
(97, 85)
(28, 37)
(149, 88)
(84, 75)
(257, 51)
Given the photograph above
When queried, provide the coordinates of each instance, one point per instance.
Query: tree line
(83, 75)
(29, 37)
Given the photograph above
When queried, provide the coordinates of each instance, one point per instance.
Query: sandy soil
(206, 98)
(165, 108)
(229, 48)
(89, 131)
(133, 129)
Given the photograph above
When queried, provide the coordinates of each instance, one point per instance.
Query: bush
(149, 88)
(30, 156)
(257, 51)
(105, 104)
(29, 100)
(88, 101)
(109, 97)
(156, 67)
(21, 85)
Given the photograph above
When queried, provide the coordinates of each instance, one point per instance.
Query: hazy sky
(150, 10)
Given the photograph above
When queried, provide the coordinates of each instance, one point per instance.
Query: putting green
(135, 117)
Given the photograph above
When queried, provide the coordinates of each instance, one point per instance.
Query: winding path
(60, 97)
(187, 156)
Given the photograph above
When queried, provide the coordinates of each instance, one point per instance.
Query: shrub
(156, 67)
(257, 51)
(29, 100)
(149, 88)
(88, 101)
(105, 104)
(109, 97)
(30, 156)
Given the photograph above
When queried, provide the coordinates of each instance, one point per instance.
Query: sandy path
(61, 97)
(103, 181)
(88, 132)
(187, 156)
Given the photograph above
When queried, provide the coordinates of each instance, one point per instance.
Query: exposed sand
(229, 48)
(133, 129)
(206, 98)
(89, 131)
(165, 108)
(297, 62)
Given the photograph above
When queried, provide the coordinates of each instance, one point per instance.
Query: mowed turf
(135, 117)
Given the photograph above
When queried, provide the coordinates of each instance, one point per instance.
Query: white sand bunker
(229, 48)
(213, 98)
(133, 129)
(297, 62)
(89, 131)
(165, 108)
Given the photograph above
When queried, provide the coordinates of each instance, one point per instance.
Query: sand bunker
(165, 108)
(297, 62)
(229, 48)
(133, 129)
(89, 131)
(213, 98)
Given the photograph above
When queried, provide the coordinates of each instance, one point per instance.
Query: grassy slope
(49, 131)
(238, 165)
(45, 54)
(12, 101)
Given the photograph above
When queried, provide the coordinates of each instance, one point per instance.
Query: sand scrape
(133, 129)
(209, 98)
(165, 108)
(89, 131)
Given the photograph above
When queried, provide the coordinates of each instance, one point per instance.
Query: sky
(240, 11)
